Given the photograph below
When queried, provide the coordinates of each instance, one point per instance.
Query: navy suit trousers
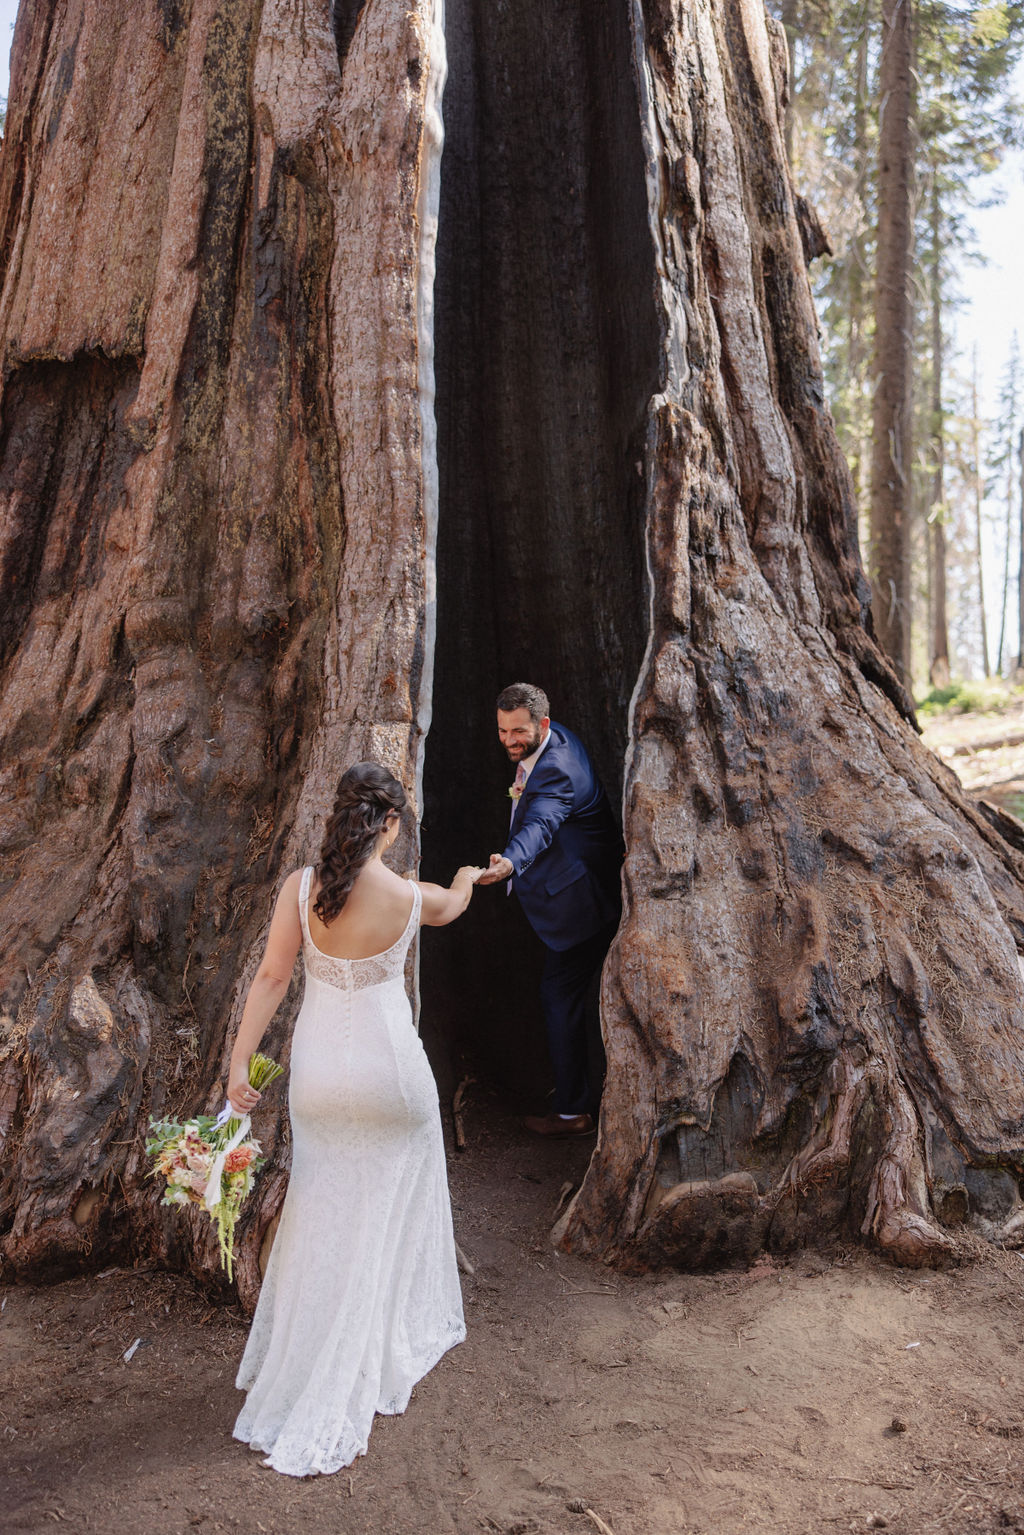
(572, 1022)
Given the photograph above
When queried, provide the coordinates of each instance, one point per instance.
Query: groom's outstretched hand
(498, 868)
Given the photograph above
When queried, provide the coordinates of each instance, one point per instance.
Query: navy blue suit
(566, 850)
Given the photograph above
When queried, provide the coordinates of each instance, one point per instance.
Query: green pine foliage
(967, 118)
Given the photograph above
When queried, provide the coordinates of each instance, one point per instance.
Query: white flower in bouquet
(211, 1161)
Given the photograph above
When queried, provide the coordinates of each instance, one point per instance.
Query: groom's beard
(524, 748)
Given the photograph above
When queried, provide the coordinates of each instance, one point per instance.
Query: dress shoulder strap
(417, 904)
(304, 887)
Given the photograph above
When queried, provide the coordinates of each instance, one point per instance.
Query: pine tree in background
(966, 118)
(967, 628)
(938, 511)
(1020, 567)
(1003, 466)
(974, 482)
(832, 135)
(892, 400)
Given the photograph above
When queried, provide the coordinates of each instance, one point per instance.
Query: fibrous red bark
(220, 478)
(813, 1005)
(215, 534)
(892, 407)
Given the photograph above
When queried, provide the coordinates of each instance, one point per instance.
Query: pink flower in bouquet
(238, 1160)
(200, 1169)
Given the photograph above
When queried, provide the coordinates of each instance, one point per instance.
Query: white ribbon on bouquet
(211, 1199)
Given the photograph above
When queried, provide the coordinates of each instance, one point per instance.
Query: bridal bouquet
(211, 1161)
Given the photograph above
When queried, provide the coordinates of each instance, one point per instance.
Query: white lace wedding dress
(361, 1295)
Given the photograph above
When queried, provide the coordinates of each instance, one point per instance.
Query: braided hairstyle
(367, 795)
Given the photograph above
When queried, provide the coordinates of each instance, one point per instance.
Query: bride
(361, 1295)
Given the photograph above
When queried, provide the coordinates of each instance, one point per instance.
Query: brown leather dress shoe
(554, 1126)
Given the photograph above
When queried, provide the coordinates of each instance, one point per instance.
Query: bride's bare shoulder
(374, 882)
(392, 887)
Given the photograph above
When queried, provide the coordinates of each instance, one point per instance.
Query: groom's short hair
(523, 695)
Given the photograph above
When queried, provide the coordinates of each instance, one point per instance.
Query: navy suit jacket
(565, 846)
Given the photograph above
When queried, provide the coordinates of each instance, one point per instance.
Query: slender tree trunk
(224, 543)
(1008, 530)
(1007, 452)
(938, 660)
(859, 276)
(892, 410)
(791, 24)
(978, 495)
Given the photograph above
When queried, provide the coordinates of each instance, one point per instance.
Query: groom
(564, 858)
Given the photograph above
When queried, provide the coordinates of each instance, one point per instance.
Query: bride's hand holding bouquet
(213, 1161)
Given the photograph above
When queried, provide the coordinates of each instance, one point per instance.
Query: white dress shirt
(529, 763)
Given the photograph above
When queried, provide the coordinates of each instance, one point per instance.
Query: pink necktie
(520, 784)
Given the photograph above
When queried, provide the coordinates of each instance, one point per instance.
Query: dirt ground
(985, 750)
(816, 1395)
(830, 1393)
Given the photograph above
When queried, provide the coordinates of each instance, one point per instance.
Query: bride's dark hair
(367, 795)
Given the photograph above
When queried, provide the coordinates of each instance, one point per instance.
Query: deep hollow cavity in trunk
(546, 357)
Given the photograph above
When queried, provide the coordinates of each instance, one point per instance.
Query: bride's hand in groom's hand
(500, 868)
(472, 869)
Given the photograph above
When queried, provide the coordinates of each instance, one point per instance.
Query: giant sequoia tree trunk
(224, 510)
(219, 498)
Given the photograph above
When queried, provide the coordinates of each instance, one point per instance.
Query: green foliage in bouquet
(209, 1161)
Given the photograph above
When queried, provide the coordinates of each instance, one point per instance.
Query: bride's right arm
(266, 993)
(441, 906)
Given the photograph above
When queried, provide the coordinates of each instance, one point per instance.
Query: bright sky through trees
(8, 11)
(994, 293)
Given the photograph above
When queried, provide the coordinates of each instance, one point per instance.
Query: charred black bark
(547, 354)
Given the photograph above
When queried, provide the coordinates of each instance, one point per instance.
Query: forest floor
(985, 748)
(832, 1392)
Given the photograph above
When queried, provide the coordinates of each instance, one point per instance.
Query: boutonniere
(515, 792)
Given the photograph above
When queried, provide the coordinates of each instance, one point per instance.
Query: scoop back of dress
(361, 1296)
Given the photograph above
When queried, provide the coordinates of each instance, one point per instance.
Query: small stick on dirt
(463, 1261)
(599, 1523)
(860, 1482)
(457, 1102)
(572, 1290)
